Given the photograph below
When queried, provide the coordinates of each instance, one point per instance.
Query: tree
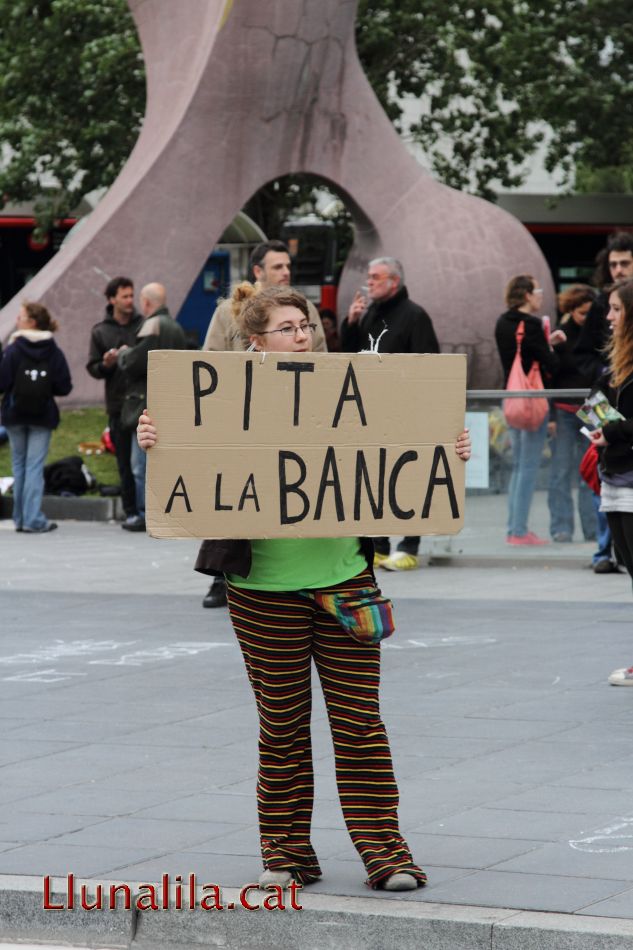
(283, 198)
(499, 78)
(495, 79)
(72, 98)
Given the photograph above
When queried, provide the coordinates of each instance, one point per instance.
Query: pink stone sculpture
(240, 92)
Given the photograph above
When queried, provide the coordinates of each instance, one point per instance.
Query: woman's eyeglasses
(292, 329)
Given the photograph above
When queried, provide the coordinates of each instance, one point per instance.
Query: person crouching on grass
(274, 591)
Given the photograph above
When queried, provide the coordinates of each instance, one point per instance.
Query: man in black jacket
(387, 315)
(108, 338)
(595, 331)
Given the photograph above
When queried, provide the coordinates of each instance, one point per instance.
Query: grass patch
(77, 425)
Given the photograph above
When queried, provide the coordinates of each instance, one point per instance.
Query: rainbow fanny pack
(365, 614)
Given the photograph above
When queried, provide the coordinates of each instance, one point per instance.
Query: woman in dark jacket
(523, 299)
(568, 442)
(616, 438)
(32, 372)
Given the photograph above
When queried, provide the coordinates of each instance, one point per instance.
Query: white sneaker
(401, 881)
(268, 879)
(622, 677)
(401, 561)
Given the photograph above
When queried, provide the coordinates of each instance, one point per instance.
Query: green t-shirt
(298, 563)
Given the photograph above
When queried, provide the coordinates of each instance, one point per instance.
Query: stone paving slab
(129, 734)
(619, 906)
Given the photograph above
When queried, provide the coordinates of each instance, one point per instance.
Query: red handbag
(519, 412)
(588, 469)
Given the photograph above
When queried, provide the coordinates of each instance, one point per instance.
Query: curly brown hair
(574, 297)
(620, 347)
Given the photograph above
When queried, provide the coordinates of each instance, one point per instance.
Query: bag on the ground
(365, 614)
(524, 412)
(68, 476)
(33, 387)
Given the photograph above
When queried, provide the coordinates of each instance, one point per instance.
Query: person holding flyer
(614, 438)
(290, 601)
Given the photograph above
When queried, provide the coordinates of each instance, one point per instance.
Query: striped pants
(280, 633)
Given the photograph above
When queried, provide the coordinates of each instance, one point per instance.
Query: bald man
(159, 331)
(153, 299)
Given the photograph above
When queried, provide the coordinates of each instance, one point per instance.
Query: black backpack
(33, 387)
(68, 476)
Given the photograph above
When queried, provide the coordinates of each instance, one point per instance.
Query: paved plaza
(129, 747)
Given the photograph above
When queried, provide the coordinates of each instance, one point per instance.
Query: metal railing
(497, 395)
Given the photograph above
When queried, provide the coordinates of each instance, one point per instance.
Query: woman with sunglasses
(271, 590)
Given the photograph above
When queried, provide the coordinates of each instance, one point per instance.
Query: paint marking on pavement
(172, 651)
(606, 840)
(84, 649)
(431, 642)
(62, 649)
(40, 676)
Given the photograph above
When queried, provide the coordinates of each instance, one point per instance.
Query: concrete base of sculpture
(238, 93)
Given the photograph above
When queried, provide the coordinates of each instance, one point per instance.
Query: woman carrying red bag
(524, 298)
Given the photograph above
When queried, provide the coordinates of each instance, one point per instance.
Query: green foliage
(281, 199)
(72, 97)
(293, 196)
(611, 179)
(494, 74)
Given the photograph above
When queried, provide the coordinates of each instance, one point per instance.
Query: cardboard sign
(304, 445)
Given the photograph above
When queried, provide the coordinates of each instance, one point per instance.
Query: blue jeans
(527, 449)
(604, 533)
(568, 447)
(138, 462)
(29, 448)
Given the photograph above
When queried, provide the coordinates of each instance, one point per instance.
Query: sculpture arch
(240, 92)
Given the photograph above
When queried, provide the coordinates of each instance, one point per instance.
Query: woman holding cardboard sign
(292, 601)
